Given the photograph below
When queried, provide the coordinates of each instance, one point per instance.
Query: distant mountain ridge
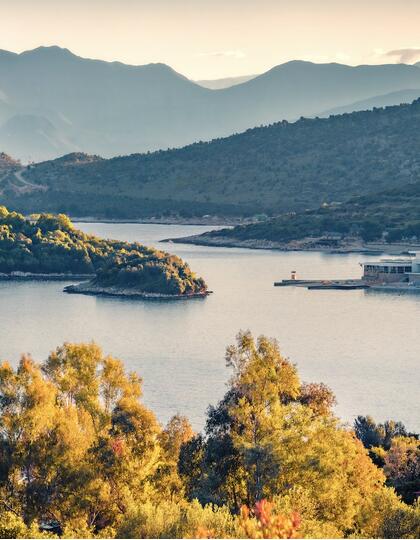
(285, 167)
(53, 102)
(394, 98)
(227, 82)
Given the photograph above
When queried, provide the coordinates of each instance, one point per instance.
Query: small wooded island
(50, 247)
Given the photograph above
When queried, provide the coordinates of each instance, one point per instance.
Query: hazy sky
(217, 38)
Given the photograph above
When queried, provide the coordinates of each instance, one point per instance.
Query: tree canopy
(50, 244)
(82, 456)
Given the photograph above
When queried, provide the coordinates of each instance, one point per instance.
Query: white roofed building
(387, 270)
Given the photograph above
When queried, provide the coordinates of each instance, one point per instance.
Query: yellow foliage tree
(271, 437)
(77, 445)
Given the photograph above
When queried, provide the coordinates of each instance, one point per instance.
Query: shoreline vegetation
(91, 289)
(384, 222)
(322, 244)
(83, 457)
(48, 246)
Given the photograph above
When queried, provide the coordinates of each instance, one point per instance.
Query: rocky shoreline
(228, 242)
(91, 289)
(308, 244)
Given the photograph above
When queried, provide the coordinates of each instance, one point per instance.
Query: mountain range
(284, 167)
(227, 82)
(53, 102)
(393, 98)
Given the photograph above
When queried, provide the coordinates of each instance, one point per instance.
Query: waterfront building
(393, 270)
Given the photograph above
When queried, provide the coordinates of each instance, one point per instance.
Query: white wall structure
(388, 270)
(414, 276)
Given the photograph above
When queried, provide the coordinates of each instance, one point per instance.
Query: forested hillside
(280, 168)
(393, 215)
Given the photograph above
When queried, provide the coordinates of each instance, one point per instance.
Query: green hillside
(280, 168)
(393, 215)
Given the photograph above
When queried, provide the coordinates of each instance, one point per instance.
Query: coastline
(89, 289)
(373, 248)
(210, 221)
(227, 242)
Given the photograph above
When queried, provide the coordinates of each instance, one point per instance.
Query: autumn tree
(176, 433)
(402, 467)
(80, 451)
(77, 445)
(395, 450)
(378, 435)
(273, 437)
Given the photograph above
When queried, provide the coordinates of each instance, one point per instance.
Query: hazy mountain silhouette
(394, 98)
(218, 84)
(105, 107)
(110, 108)
(301, 88)
(29, 137)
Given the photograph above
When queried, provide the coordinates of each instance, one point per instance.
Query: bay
(365, 345)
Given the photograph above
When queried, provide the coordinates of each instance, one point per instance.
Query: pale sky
(206, 39)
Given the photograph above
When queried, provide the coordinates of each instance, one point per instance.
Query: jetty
(340, 284)
(391, 274)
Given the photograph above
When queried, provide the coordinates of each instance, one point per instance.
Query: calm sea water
(365, 345)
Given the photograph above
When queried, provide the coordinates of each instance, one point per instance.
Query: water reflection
(364, 344)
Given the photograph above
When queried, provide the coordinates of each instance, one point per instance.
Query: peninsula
(384, 221)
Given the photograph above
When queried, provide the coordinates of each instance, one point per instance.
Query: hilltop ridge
(279, 168)
(54, 102)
